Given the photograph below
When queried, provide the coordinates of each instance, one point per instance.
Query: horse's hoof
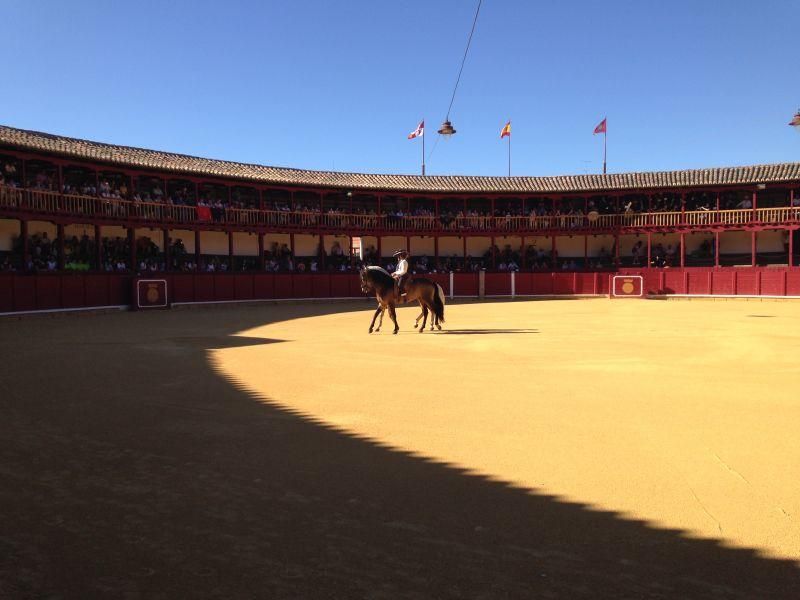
(440, 327)
(415, 325)
(370, 331)
(395, 331)
(421, 329)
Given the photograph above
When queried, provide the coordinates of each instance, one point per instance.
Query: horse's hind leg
(393, 316)
(424, 317)
(416, 321)
(380, 320)
(375, 316)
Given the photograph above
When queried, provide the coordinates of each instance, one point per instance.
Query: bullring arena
(254, 440)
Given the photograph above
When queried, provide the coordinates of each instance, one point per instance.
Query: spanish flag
(795, 122)
(506, 131)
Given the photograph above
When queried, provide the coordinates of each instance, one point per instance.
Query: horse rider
(401, 271)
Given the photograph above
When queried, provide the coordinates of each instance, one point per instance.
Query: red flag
(203, 213)
(601, 128)
(418, 132)
(795, 122)
(506, 131)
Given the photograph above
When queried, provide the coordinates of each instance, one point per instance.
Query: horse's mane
(379, 276)
(374, 268)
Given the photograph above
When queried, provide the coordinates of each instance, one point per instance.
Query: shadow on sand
(133, 470)
(483, 331)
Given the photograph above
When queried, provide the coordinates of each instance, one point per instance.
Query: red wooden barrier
(49, 291)
(497, 284)
(243, 287)
(264, 286)
(465, 284)
(6, 292)
(283, 285)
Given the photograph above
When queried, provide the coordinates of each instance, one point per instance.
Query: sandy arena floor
(597, 449)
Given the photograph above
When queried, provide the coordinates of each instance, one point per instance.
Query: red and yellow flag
(506, 131)
(601, 128)
(795, 122)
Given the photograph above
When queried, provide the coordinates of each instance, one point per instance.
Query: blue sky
(339, 85)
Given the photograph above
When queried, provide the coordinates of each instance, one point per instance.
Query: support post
(132, 249)
(683, 250)
(753, 248)
(230, 251)
(649, 249)
(98, 248)
(23, 233)
(716, 248)
(350, 252)
(464, 244)
(197, 253)
(522, 253)
(791, 247)
(60, 184)
(585, 251)
(60, 230)
(167, 250)
(491, 249)
(436, 252)
(262, 263)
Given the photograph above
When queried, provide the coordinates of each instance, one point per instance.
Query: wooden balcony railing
(154, 213)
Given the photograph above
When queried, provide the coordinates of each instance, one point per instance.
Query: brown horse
(422, 314)
(379, 282)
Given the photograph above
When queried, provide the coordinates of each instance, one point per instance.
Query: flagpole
(423, 147)
(509, 153)
(605, 139)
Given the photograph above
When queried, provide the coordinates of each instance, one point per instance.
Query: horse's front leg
(424, 318)
(393, 316)
(416, 321)
(380, 320)
(375, 316)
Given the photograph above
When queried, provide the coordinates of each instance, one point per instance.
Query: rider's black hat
(400, 253)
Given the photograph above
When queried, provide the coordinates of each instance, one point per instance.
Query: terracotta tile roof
(125, 156)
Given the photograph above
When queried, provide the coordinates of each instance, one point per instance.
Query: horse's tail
(438, 303)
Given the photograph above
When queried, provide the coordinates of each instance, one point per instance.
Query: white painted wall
(569, 247)
(477, 246)
(156, 236)
(771, 241)
(306, 245)
(627, 242)
(40, 227)
(514, 241)
(695, 240)
(245, 244)
(114, 231)
(451, 246)
(276, 238)
(422, 246)
(78, 231)
(344, 243)
(391, 244)
(184, 235)
(734, 242)
(214, 243)
(596, 243)
(9, 230)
